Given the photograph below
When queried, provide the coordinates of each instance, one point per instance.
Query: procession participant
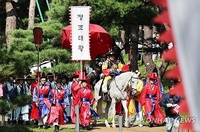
(1, 98)
(20, 92)
(59, 101)
(25, 112)
(10, 93)
(67, 86)
(170, 102)
(74, 89)
(85, 100)
(97, 70)
(56, 77)
(159, 83)
(134, 107)
(34, 108)
(109, 68)
(50, 80)
(41, 99)
(150, 100)
(1, 89)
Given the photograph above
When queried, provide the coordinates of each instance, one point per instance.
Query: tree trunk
(147, 56)
(162, 69)
(31, 13)
(11, 20)
(134, 48)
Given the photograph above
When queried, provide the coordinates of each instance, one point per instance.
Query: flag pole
(81, 67)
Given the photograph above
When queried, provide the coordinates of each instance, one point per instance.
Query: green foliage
(142, 69)
(23, 52)
(22, 100)
(125, 58)
(4, 106)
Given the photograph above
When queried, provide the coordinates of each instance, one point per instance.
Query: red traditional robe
(75, 87)
(34, 108)
(56, 112)
(149, 99)
(84, 99)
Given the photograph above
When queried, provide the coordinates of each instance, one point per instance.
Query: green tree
(122, 15)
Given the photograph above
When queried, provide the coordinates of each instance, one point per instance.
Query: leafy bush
(5, 107)
(22, 100)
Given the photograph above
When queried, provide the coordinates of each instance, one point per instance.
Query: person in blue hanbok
(67, 86)
(21, 90)
(10, 93)
(25, 110)
(41, 98)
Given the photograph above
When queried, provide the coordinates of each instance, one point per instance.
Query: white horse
(118, 92)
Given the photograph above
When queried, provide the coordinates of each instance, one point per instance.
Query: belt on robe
(93, 113)
(43, 95)
(151, 96)
(59, 101)
(85, 100)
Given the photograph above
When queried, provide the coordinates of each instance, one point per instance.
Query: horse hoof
(114, 126)
(127, 126)
(108, 126)
(140, 125)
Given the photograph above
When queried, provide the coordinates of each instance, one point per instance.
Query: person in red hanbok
(41, 98)
(34, 108)
(59, 100)
(85, 100)
(75, 86)
(150, 100)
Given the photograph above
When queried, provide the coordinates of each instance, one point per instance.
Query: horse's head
(133, 82)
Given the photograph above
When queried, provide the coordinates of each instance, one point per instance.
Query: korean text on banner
(80, 16)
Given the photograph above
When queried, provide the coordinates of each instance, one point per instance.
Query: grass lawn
(29, 128)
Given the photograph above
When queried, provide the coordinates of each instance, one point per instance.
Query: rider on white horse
(110, 66)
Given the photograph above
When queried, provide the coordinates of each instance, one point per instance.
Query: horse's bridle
(130, 82)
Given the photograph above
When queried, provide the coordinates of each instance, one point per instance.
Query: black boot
(40, 126)
(151, 124)
(14, 122)
(35, 122)
(56, 128)
(8, 122)
(47, 126)
(89, 127)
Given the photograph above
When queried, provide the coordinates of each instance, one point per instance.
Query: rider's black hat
(110, 53)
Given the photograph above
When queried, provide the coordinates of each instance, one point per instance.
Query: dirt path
(100, 127)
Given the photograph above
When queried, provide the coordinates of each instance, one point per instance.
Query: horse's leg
(98, 100)
(106, 113)
(124, 104)
(113, 104)
(140, 116)
(99, 107)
